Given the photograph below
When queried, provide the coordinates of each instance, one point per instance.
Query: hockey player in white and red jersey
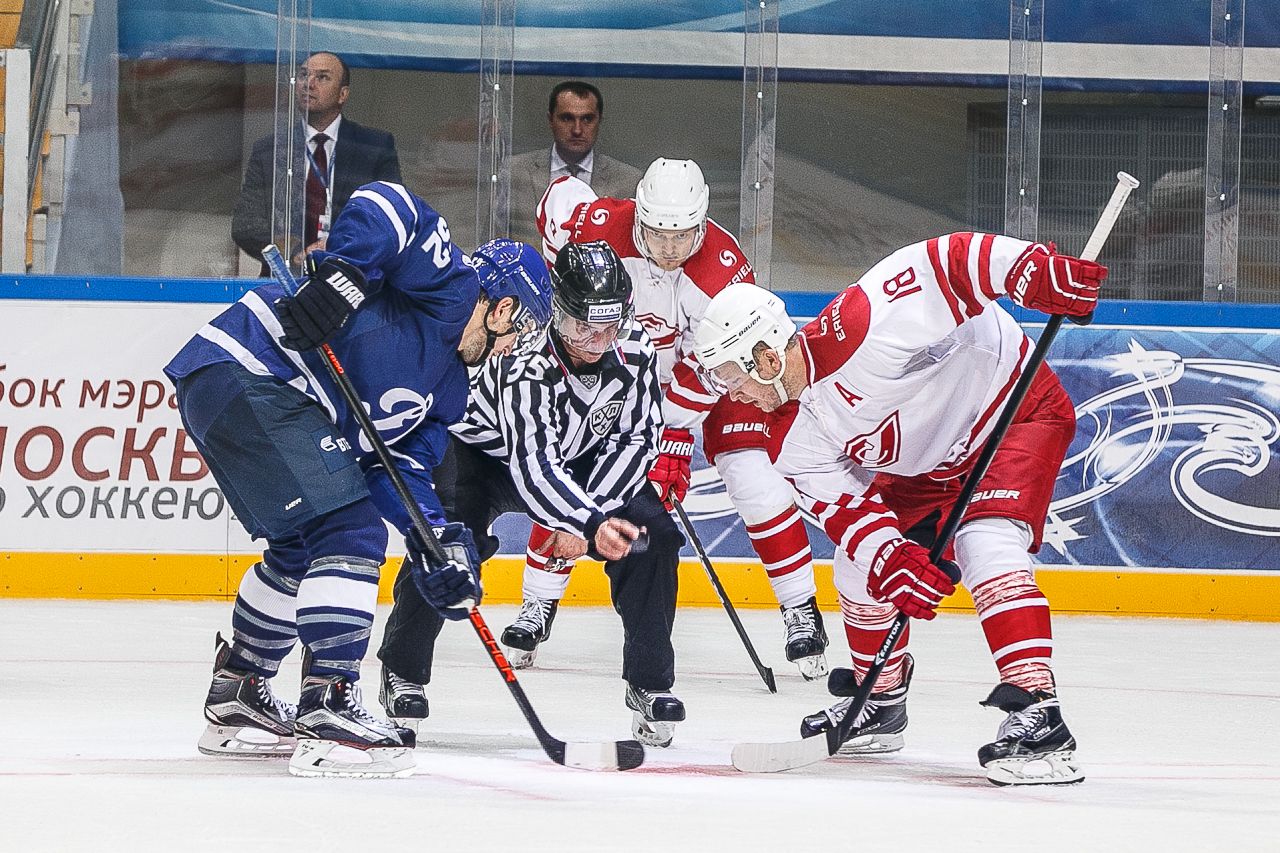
(880, 407)
(679, 259)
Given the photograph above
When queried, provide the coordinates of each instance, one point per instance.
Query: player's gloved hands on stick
(903, 576)
(1056, 284)
(322, 304)
(454, 587)
(671, 472)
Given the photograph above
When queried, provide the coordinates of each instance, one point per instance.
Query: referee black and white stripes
(535, 411)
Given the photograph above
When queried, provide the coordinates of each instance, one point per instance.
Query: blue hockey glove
(322, 304)
(453, 588)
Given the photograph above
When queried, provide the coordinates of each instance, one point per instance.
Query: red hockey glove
(671, 473)
(1055, 284)
(902, 575)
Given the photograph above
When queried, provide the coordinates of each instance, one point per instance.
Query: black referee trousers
(475, 489)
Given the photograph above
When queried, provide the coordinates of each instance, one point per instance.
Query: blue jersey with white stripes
(399, 349)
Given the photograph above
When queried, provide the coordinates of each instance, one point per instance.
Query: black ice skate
(883, 719)
(338, 737)
(656, 713)
(532, 627)
(245, 718)
(404, 701)
(1034, 745)
(806, 638)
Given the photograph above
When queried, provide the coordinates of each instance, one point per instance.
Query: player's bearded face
(668, 249)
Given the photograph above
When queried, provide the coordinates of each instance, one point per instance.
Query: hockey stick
(765, 672)
(618, 755)
(772, 757)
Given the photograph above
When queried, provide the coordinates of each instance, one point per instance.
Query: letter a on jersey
(879, 448)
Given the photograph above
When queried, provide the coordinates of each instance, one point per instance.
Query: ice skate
(245, 717)
(338, 737)
(655, 714)
(806, 639)
(531, 628)
(882, 721)
(404, 701)
(1034, 745)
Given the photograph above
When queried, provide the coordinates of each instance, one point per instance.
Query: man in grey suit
(575, 111)
(336, 156)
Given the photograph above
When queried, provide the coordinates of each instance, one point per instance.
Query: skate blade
(813, 667)
(244, 742)
(520, 658)
(1056, 768)
(328, 758)
(410, 723)
(652, 732)
(872, 744)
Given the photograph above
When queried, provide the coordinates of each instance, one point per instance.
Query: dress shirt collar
(560, 167)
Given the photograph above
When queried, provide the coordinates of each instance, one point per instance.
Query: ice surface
(1179, 725)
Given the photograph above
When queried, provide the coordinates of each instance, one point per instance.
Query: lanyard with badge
(326, 180)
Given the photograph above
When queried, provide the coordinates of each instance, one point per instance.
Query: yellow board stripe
(1216, 595)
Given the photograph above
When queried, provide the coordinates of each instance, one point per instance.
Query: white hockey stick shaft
(1125, 184)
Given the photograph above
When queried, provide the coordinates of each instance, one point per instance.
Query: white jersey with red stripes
(669, 305)
(908, 371)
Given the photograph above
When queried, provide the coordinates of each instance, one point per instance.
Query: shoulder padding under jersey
(608, 219)
(719, 263)
(556, 211)
(836, 333)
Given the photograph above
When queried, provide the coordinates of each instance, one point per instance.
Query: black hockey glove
(453, 588)
(322, 304)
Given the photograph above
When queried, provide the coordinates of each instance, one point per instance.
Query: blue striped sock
(336, 601)
(263, 622)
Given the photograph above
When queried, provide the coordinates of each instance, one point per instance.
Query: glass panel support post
(497, 91)
(759, 129)
(1222, 151)
(1022, 171)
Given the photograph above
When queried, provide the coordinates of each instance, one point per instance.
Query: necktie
(316, 196)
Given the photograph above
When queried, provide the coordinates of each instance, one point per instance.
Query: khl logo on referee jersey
(602, 419)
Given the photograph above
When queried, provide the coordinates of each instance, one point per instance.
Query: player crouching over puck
(406, 313)
(881, 405)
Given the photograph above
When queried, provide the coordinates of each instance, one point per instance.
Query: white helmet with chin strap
(672, 196)
(739, 317)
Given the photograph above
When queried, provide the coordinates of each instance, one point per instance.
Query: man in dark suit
(335, 156)
(575, 112)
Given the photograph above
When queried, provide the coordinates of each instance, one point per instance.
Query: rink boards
(1168, 504)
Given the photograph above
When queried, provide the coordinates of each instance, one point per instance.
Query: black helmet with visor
(592, 296)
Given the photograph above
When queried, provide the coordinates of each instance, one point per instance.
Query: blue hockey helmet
(508, 268)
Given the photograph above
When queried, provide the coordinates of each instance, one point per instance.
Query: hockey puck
(641, 543)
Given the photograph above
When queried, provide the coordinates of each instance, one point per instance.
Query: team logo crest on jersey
(602, 419)
(661, 333)
(589, 379)
(879, 448)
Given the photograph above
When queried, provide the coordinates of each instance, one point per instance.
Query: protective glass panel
(759, 133)
(671, 87)
(1139, 109)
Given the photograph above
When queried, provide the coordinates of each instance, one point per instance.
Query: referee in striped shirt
(565, 433)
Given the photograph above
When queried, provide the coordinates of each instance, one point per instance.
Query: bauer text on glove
(1055, 284)
(322, 304)
(902, 575)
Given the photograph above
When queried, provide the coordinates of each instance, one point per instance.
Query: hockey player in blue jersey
(406, 313)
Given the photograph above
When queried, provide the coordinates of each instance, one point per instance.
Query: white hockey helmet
(737, 318)
(672, 196)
